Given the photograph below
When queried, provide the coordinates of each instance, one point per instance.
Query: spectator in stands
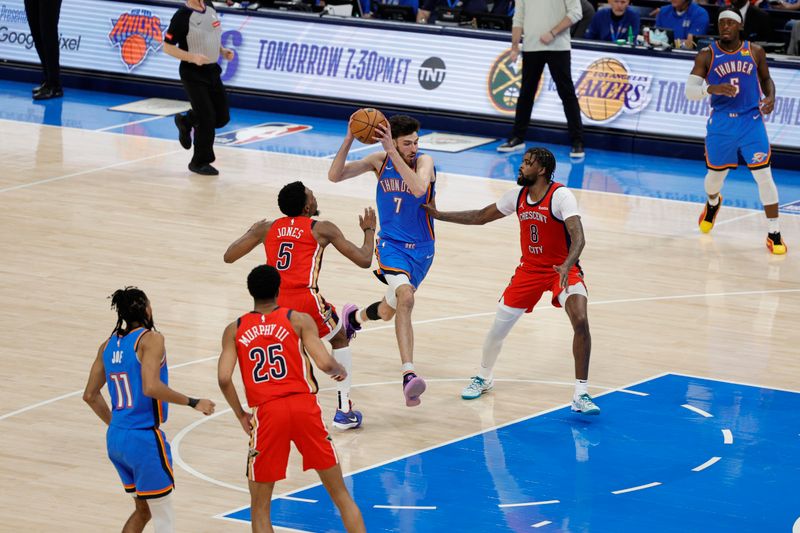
(792, 5)
(578, 30)
(612, 23)
(794, 41)
(43, 22)
(545, 24)
(757, 24)
(685, 18)
(427, 8)
(413, 4)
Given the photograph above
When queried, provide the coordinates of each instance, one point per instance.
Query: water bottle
(630, 34)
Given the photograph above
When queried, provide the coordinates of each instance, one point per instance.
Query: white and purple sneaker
(413, 387)
(350, 327)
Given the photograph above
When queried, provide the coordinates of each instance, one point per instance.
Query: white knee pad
(163, 514)
(395, 281)
(578, 288)
(766, 186)
(714, 180)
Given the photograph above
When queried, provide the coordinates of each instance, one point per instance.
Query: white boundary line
(705, 465)
(727, 436)
(697, 410)
(527, 504)
(719, 380)
(542, 523)
(407, 507)
(640, 487)
(148, 119)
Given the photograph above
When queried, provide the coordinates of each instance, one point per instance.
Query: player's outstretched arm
(478, 217)
(328, 232)
(245, 244)
(225, 368)
(309, 334)
(91, 394)
(151, 353)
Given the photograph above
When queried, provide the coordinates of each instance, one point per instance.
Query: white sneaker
(477, 387)
(585, 405)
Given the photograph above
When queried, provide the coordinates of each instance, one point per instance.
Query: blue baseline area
(579, 461)
(606, 171)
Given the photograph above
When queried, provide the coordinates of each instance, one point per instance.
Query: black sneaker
(709, 215)
(577, 151)
(204, 170)
(48, 92)
(514, 144)
(776, 244)
(39, 88)
(184, 131)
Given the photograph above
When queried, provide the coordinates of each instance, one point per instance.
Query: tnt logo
(431, 73)
(758, 157)
(136, 33)
(608, 87)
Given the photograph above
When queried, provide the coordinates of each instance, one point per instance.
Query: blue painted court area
(698, 454)
(613, 172)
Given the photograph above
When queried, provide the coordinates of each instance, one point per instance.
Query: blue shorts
(143, 460)
(727, 135)
(412, 259)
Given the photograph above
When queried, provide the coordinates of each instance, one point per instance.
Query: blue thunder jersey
(402, 218)
(739, 69)
(130, 408)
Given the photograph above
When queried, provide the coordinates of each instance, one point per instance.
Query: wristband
(193, 402)
(369, 229)
(553, 35)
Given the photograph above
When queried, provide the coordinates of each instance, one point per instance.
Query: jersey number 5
(274, 361)
(284, 256)
(123, 388)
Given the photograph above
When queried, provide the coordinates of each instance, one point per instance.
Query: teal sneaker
(585, 405)
(477, 387)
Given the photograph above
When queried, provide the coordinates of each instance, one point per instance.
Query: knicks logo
(758, 157)
(505, 80)
(136, 33)
(608, 88)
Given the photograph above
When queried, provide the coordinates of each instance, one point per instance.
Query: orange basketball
(364, 122)
(133, 50)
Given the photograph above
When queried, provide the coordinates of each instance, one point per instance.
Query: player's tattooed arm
(479, 217)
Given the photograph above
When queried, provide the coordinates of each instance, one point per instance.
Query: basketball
(364, 122)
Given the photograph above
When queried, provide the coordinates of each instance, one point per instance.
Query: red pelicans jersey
(272, 361)
(292, 249)
(544, 239)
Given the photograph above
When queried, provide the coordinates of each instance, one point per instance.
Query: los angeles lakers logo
(136, 33)
(608, 88)
(505, 79)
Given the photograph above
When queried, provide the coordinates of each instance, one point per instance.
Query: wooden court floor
(84, 213)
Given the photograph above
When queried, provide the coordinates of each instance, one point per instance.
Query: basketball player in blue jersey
(133, 363)
(405, 244)
(735, 74)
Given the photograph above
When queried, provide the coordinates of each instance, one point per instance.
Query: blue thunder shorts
(729, 134)
(143, 460)
(412, 259)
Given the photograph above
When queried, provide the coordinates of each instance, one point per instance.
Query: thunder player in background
(551, 238)
(133, 362)
(272, 345)
(405, 246)
(294, 245)
(735, 74)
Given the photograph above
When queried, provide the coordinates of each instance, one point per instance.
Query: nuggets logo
(503, 85)
(608, 88)
(136, 33)
(758, 157)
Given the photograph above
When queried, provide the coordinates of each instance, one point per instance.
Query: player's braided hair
(545, 158)
(131, 306)
(292, 199)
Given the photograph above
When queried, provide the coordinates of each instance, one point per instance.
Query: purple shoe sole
(412, 391)
(349, 328)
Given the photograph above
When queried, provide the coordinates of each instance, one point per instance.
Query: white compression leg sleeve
(504, 320)
(345, 358)
(766, 186)
(714, 180)
(394, 281)
(163, 514)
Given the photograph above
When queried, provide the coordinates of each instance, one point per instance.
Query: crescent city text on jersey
(533, 215)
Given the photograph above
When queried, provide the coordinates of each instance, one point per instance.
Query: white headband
(729, 15)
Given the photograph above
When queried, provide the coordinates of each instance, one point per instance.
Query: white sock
(345, 358)
(713, 201)
(772, 224)
(408, 367)
(504, 320)
(163, 514)
(581, 387)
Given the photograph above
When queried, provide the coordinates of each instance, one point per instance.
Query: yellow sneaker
(775, 243)
(709, 214)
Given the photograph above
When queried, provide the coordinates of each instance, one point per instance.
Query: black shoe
(184, 131)
(512, 145)
(39, 87)
(204, 170)
(48, 92)
(577, 150)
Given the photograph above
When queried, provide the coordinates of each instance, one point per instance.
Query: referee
(43, 18)
(194, 37)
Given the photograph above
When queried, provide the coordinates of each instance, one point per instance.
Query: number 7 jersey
(402, 218)
(271, 358)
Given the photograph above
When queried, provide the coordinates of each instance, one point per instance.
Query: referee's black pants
(43, 21)
(559, 65)
(210, 108)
